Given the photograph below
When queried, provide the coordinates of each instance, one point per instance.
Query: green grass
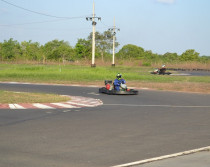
(23, 97)
(73, 74)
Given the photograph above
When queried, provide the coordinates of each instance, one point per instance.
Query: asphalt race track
(192, 73)
(122, 130)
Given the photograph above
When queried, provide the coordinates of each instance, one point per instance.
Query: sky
(158, 25)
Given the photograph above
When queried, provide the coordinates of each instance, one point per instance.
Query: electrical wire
(38, 22)
(104, 24)
(29, 28)
(43, 14)
(59, 18)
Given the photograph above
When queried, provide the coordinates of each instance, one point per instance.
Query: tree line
(135, 52)
(55, 50)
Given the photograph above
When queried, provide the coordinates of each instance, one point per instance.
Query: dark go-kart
(161, 71)
(109, 89)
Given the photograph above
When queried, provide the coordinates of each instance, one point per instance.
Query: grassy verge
(71, 74)
(22, 97)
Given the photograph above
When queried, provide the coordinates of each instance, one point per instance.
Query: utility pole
(93, 34)
(114, 37)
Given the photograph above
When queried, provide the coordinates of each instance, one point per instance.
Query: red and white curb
(75, 102)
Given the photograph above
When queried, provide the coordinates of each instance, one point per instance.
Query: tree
(57, 50)
(83, 49)
(1, 57)
(10, 50)
(189, 55)
(30, 51)
(170, 57)
(66, 53)
(131, 51)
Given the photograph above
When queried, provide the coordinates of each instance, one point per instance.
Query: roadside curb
(75, 102)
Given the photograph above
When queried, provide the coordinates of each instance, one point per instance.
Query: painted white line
(80, 104)
(42, 106)
(66, 111)
(136, 105)
(64, 105)
(93, 93)
(13, 82)
(181, 74)
(191, 106)
(75, 85)
(92, 86)
(164, 157)
(145, 88)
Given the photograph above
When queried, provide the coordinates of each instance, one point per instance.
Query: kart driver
(118, 82)
(162, 70)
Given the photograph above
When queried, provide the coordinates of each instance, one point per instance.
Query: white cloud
(166, 1)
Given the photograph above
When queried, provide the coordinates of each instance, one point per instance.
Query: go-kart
(160, 72)
(109, 89)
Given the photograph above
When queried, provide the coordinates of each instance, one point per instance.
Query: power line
(43, 14)
(38, 22)
(49, 29)
(41, 22)
(104, 24)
